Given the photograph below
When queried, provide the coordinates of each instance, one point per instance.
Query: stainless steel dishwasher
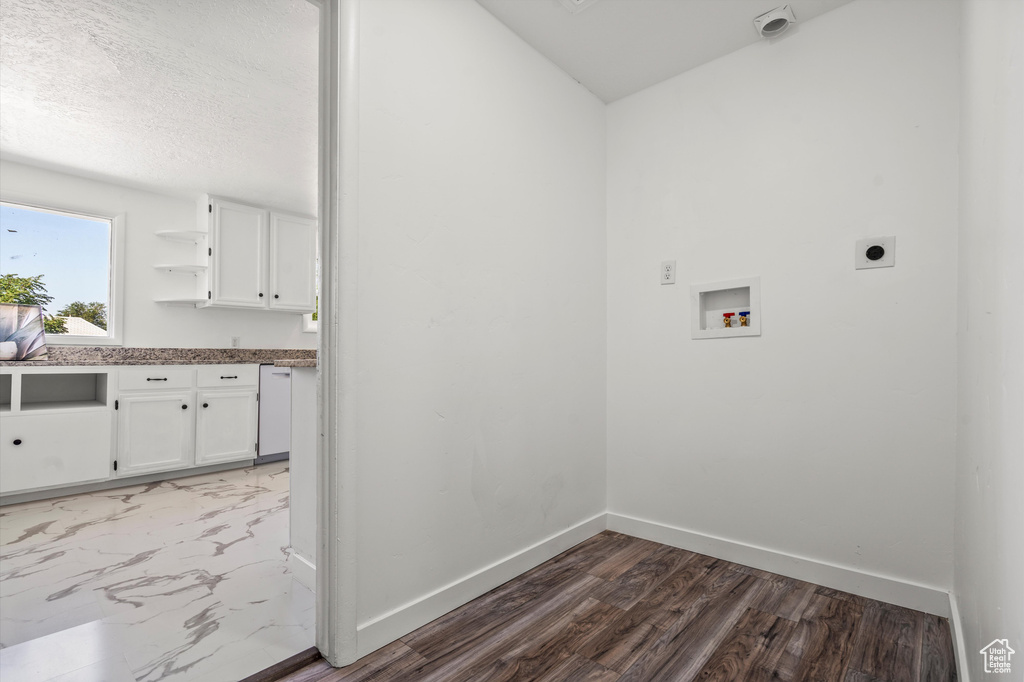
(275, 414)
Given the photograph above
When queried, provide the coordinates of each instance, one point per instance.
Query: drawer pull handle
(206, 404)
(184, 407)
(17, 441)
(151, 379)
(234, 377)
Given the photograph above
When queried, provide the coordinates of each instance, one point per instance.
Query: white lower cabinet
(180, 417)
(225, 425)
(155, 432)
(63, 426)
(46, 450)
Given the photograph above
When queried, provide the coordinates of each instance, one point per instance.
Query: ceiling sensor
(576, 6)
(774, 22)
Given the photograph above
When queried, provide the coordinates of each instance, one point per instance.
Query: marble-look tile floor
(171, 581)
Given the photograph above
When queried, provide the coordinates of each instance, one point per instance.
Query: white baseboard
(303, 570)
(957, 631)
(384, 629)
(910, 595)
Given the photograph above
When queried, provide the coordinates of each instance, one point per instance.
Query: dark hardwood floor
(620, 609)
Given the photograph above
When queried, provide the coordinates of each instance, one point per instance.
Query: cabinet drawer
(154, 378)
(228, 376)
(42, 451)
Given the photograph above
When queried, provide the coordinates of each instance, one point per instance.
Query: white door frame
(336, 632)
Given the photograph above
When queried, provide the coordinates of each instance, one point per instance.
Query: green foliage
(23, 290)
(53, 325)
(94, 312)
(30, 291)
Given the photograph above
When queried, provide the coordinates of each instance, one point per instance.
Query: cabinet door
(292, 263)
(154, 432)
(238, 270)
(225, 426)
(41, 451)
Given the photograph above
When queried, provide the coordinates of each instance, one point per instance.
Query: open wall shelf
(184, 292)
(187, 236)
(181, 302)
(173, 267)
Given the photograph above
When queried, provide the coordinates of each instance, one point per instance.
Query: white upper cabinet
(238, 257)
(259, 257)
(292, 262)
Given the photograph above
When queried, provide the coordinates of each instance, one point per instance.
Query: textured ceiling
(618, 47)
(180, 97)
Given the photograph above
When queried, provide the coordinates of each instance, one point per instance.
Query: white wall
(481, 304)
(830, 436)
(148, 324)
(989, 540)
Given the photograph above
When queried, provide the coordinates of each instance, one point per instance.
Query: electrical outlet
(877, 252)
(236, 341)
(668, 272)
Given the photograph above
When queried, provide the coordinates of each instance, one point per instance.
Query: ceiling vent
(576, 6)
(773, 23)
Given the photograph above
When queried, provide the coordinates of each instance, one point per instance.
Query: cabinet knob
(184, 407)
(17, 441)
(276, 296)
(206, 404)
(261, 295)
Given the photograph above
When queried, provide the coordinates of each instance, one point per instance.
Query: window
(67, 263)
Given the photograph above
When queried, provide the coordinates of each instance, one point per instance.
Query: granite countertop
(59, 356)
(303, 362)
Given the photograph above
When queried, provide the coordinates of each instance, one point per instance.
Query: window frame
(115, 284)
